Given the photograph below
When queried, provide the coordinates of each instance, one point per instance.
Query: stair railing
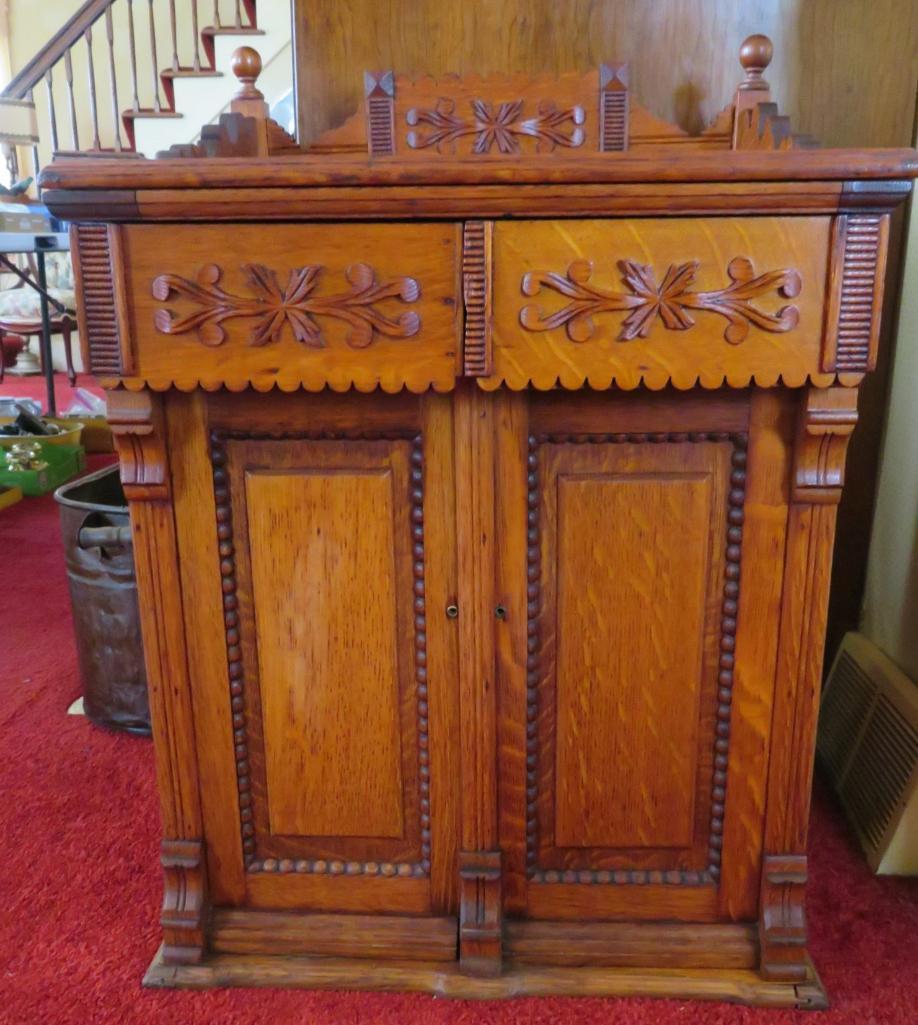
(72, 119)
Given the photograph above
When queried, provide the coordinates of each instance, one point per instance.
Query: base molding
(739, 986)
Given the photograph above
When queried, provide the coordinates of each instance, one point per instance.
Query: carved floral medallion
(273, 306)
(644, 299)
(499, 125)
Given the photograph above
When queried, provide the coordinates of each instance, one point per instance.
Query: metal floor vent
(868, 746)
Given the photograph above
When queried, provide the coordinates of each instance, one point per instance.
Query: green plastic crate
(64, 462)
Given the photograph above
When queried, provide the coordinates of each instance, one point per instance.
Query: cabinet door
(635, 660)
(324, 712)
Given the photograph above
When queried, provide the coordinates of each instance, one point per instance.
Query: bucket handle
(104, 537)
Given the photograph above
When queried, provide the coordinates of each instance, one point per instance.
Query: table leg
(44, 341)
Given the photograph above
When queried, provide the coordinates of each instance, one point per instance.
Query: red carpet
(80, 888)
(33, 387)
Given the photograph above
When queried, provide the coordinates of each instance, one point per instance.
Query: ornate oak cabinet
(483, 492)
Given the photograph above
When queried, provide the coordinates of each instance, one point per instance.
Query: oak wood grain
(504, 685)
(679, 70)
(325, 607)
(737, 986)
(598, 302)
(371, 306)
(143, 446)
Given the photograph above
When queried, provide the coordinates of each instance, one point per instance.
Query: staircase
(132, 77)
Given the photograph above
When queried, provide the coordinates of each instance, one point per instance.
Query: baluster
(196, 63)
(135, 102)
(217, 14)
(157, 106)
(238, 13)
(175, 61)
(112, 78)
(94, 113)
(36, 164)
(68, 71)
(52, 114)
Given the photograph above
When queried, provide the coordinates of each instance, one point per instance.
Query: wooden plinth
(733, 986)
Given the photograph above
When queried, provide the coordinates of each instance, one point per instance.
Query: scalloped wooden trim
(317, 383)
(658, 380)
(653, 381)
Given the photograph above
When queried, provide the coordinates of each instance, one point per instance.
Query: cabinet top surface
(649, 165)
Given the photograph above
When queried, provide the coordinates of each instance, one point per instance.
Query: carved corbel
(137, 424)
(480, 925)
(782, 918)
(182, 916)
(825, 424)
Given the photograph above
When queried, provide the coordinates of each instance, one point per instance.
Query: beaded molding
(226, 549)
(729, 608)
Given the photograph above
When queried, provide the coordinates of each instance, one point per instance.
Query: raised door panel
(632, 548)
(327, 693)
(630, 608)
(327, 651)
(331, 653)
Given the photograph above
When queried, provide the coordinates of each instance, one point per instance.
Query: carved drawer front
(290, 305)
(659, 301)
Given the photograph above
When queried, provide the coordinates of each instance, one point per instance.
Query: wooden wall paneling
(823, 50)
(139, 428)
(479, 856)
(825, 421)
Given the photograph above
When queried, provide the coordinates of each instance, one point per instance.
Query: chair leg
(2, 359)
(68, 352)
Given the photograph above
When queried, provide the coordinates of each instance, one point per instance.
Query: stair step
(231, 30)
(210, 33)
(132, 115)
(107, 152)
(191, 73)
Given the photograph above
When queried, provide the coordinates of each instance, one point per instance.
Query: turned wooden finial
(755, 55)
(250, 101)
(753, 92)
(246, 65)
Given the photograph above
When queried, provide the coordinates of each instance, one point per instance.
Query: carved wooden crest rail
(483, 463)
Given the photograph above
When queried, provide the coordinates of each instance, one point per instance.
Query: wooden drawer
(272, 306)
(659, 301)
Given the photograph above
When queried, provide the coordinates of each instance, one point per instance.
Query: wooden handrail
(77, 101)
(60, 43)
